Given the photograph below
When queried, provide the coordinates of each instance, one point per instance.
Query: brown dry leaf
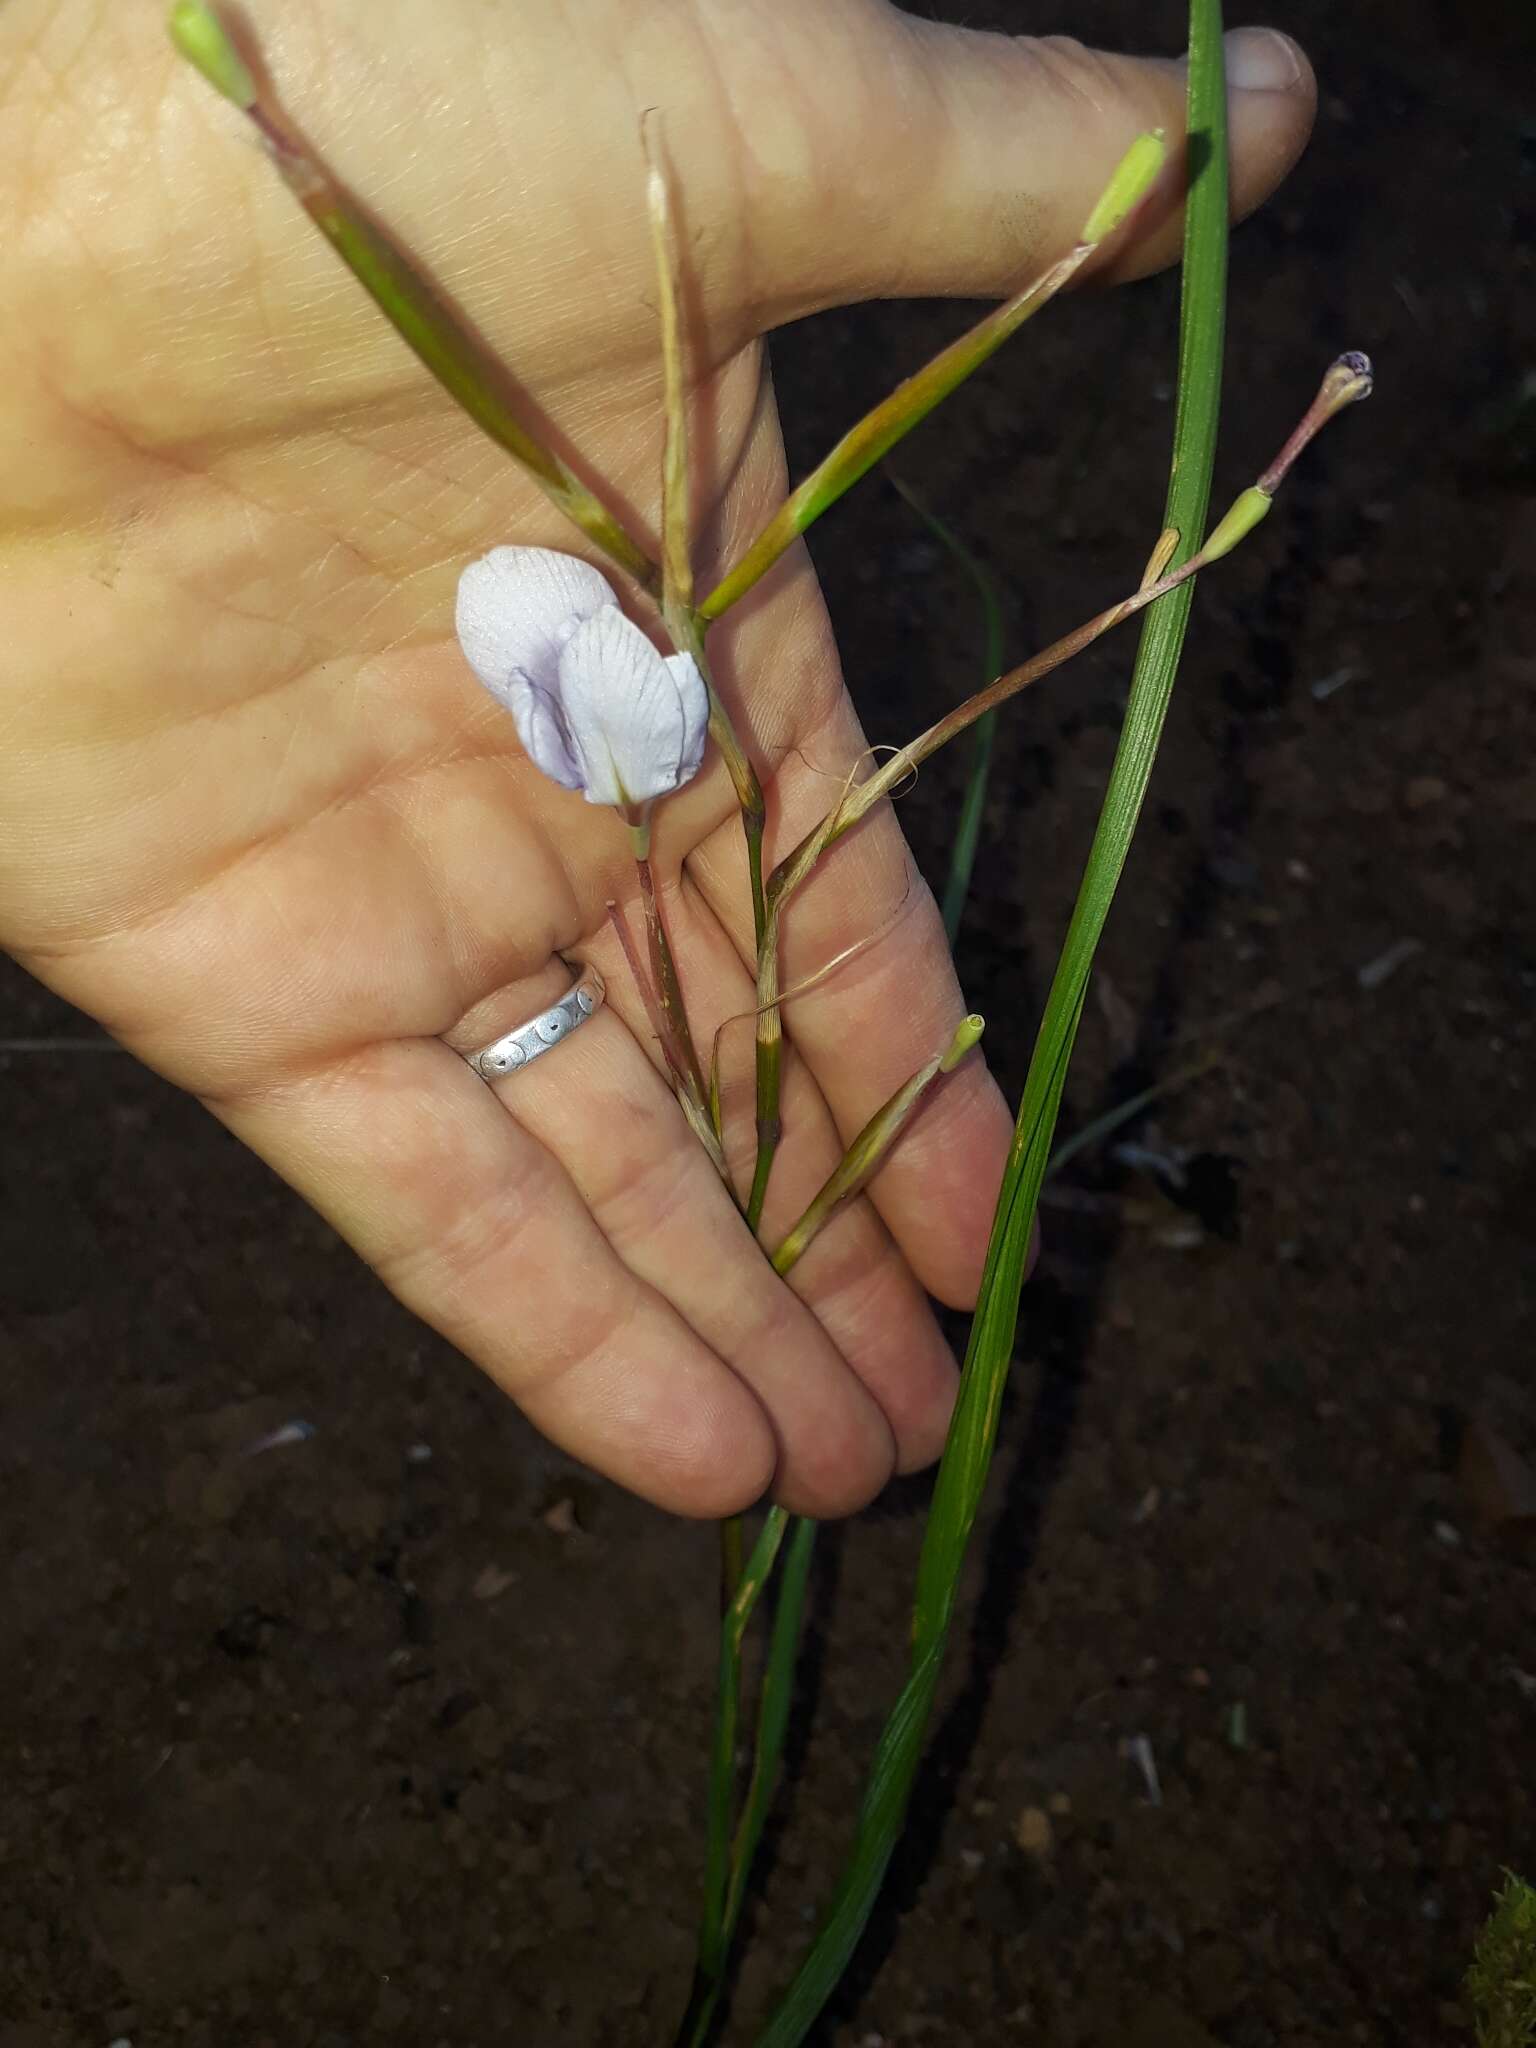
(1496, 1480)
(492, 1583)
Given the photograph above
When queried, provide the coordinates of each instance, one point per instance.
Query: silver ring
(512, 1051)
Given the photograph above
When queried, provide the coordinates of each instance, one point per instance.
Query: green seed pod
(203, 40)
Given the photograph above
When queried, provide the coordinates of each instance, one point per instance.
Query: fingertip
(1264, 60)
(1272, 102)
(703, 1450)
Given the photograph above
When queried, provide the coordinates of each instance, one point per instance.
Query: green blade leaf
(772, 1725)
(719, 1859)
(968, 1452)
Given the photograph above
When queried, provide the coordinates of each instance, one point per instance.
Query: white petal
(516, 609)
(541, 727)
(694, 698)
(623, 711)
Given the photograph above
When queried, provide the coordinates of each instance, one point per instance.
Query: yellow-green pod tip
(970, 1029)
(203, 40)
(1134, 177)
(1241, 519)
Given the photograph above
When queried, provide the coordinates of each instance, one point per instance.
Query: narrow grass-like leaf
(713, 1935)
(768, 1750)
(962, 853)
(967, 1454)
(773, 1712)
(1105, 1126)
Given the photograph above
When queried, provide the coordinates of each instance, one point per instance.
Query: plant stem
(1348, 380)
(912, 400)
(676, 562)
(968, 1450)
(714, 1933)
(870, 1148)
(770, 1028)
(768, 1748)
(467, 371)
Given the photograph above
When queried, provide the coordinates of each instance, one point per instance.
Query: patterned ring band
(505, 1055)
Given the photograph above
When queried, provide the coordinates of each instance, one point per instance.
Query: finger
(858, 1285)
(474, 1225)
(597, 1104)
(964, 161)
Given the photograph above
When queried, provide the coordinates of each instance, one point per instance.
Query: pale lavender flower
(596, 707)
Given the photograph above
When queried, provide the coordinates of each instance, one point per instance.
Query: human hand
(257, 817)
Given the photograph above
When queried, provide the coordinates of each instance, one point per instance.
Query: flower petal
(694, 699)
(516, 609)
(541, 727)
(625, 712)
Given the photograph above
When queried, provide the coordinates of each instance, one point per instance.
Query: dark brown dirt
(343, 1743)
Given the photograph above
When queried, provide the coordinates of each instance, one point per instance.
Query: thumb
(973, 159)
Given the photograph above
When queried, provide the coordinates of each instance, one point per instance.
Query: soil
(397, 1732)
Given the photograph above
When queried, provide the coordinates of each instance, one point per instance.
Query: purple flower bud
(596, 707)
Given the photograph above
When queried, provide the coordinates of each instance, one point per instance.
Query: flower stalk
(913, 399)
(676, 558)
(1348, 380)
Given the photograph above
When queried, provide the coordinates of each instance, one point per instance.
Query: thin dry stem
(872, 1146)
(676, 562)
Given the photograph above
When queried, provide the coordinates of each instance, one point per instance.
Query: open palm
(257, 817)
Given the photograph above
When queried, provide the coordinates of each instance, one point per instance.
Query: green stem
(872, 1147)
(772, 1726)
(714, 1935)
(1347, 380)
(466, 370)
(880, 429)
(732, 1558)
